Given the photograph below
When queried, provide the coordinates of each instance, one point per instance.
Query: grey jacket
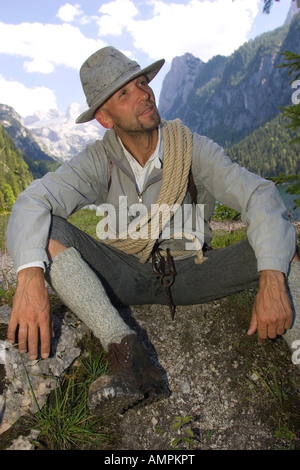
(101, 173)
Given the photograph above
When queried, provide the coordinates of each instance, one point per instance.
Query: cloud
(68, 12)
(155, 28)
(26, 100)
(44, 47)
(115, 17)
(204, 28)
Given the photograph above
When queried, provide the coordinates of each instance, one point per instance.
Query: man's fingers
(289, 313)
(29, 334)
(28, 340)
(33, 340)
(11, 331)
(22, 338)
(273, 328)
(253, 324)
(22, 335)
(262, 332)
(13, 326)
(45, 335)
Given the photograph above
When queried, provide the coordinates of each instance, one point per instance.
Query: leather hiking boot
(132, 380)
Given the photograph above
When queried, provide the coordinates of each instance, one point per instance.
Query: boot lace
(119, 356)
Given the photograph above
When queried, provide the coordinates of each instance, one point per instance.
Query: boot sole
(112, 401)
(116, 400)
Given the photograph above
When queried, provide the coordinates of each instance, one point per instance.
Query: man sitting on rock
(144, 168)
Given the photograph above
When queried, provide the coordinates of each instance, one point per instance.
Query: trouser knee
(62, 231)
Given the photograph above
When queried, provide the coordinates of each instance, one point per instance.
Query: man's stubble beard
(139, 127)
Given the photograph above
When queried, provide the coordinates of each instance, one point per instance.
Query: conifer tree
(292, 61)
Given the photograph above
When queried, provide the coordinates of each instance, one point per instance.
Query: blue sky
(44, 42)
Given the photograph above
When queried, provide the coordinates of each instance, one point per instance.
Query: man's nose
(142, 93)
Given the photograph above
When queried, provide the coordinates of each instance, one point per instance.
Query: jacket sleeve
(80, 182)
(270, 234)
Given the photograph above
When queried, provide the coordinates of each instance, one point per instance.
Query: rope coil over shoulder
(178, 148)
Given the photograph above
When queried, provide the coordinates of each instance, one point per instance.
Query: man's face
(131, 109)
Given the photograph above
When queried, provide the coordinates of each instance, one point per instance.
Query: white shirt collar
(157, 154)
(155, 161)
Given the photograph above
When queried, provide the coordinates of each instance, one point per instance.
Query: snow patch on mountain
(59, 133)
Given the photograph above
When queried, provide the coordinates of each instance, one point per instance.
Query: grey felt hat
(104, 72)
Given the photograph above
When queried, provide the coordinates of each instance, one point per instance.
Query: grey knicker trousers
(130, 282)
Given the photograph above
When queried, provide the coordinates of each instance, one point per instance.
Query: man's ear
(104, 119)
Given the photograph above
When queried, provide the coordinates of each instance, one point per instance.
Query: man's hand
(31, 313)
(271, 313)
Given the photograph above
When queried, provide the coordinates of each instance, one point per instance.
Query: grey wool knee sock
(80, 289)
(293, 282)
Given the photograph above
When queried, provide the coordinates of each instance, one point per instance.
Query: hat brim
(151, 71)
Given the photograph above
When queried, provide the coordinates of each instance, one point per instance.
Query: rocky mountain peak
(292, 11)
(9, 113)
(181, 77)
(21, 135)
(228, 97)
